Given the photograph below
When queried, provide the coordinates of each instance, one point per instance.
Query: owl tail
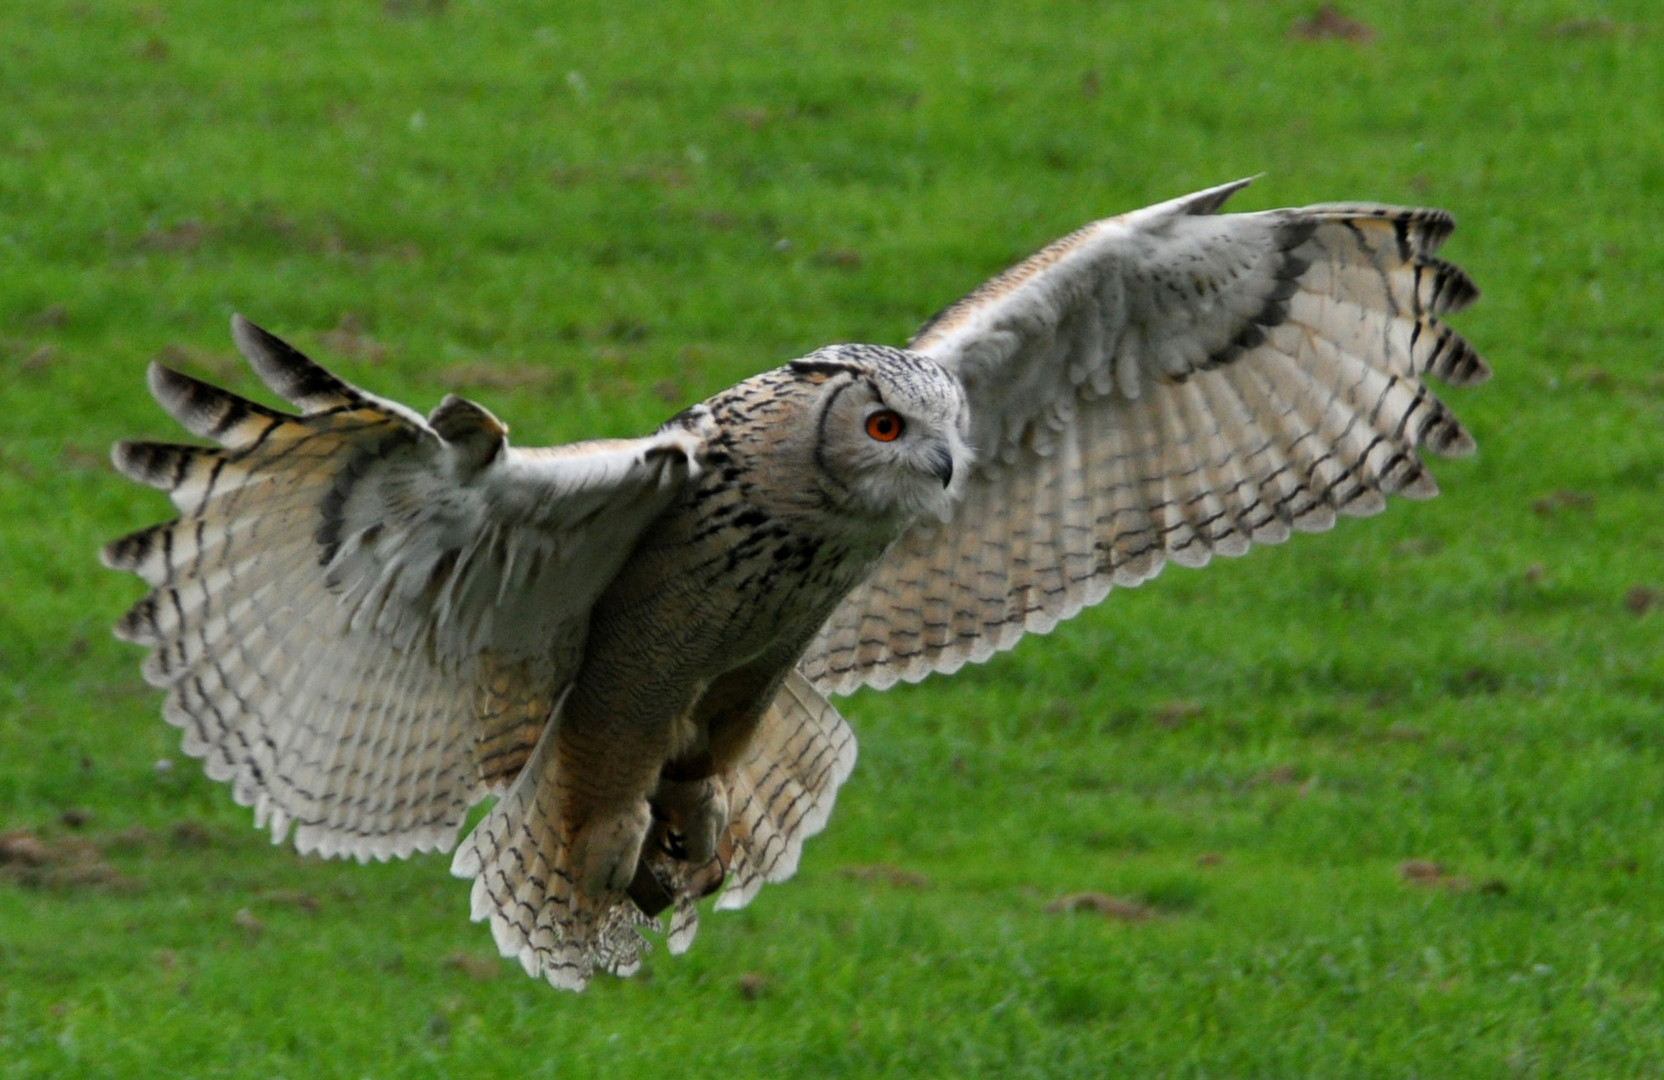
(779, 794)
(519, 857)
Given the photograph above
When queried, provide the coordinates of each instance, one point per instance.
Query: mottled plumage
(367, 621)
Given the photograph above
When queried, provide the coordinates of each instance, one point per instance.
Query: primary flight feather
(367, 621)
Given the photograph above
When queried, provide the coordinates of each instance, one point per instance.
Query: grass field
(587, 215)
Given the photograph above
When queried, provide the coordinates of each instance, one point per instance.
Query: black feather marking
(163, 466)
(139, 624)
(290, 373)
(202, 408)
(1274, 311)
(825, 367)
(130, 551)
(1453, 290)
(208, 488)
(333, 504)
(1401, 230)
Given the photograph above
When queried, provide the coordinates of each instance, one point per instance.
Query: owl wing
(362, 617)
(1165, 386)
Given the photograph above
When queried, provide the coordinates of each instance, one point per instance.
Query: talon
(648, 892)
(697, 813)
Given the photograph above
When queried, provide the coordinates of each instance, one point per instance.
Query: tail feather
(780, 794)
(519, 856)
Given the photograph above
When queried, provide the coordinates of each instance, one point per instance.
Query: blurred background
(1377, 803)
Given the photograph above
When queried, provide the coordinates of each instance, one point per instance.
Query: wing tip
(1210, 200)
(288, 372)
(248, 337)
(1196, 204)
(130, 552)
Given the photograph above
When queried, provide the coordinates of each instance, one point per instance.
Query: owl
(367, 620)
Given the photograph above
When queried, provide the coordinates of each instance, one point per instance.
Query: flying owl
(368, 621)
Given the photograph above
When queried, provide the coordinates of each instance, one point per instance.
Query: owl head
(890, 430)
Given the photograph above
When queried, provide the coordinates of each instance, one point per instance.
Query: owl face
(890, 430)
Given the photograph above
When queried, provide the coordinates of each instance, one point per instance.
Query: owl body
(742, 570)
(367, 620)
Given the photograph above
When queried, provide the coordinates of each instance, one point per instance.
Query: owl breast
(753, 557)
(728, 578)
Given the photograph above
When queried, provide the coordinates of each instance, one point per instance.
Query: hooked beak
(941, 464)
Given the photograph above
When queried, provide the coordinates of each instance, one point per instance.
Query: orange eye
(884, 426)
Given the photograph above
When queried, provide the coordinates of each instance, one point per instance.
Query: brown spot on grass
(40, 358)
(294, 898)
(659, 175)
(839, 258)
(131, 839)
(179, 238)
(1591, 378)
(1474, 680)
(1588, 28)
(1417, 546)
(752, 116)
(83, 459)
(22, 849)
(349, 339)
(1420, 871)
(1565, 499)
(1328, 23)
(66, 863)
(1427, 874)
(1640, 599)
(478, 968)
(1174, 714)
(570, 175)
(1209, 858)
(1275, 776)
(190, 835)
(891, 875)
(50, 317)
(752, 985)
(1119, 908)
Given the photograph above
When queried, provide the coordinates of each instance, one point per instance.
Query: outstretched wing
(363, 618)
(1167, 385)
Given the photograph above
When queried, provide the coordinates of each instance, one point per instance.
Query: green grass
(587, 218)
